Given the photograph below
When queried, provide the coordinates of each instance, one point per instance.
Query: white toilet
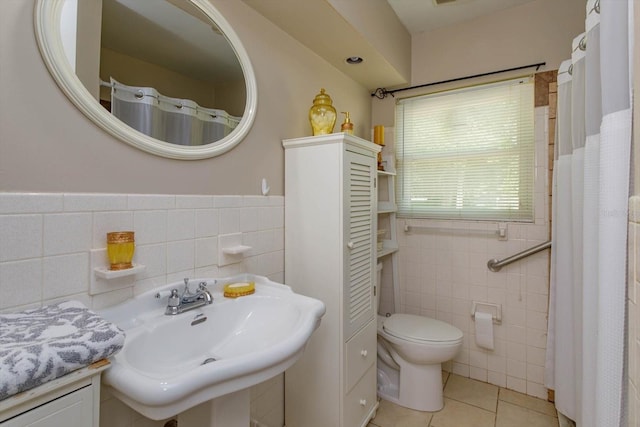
(411, 350)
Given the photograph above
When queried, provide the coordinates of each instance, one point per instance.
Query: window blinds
(467, 153)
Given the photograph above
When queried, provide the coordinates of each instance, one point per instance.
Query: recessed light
(354, 60)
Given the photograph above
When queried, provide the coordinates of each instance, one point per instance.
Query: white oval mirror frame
(47, 27)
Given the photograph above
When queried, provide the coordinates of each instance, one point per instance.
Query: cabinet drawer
(72, 410)
(360, 402)
(360, 354)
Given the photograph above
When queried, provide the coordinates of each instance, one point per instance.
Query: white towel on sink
(45, 343)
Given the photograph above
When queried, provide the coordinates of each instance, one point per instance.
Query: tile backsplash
(51, 243)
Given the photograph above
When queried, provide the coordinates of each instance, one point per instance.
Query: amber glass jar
(322, 114)
(120, 248)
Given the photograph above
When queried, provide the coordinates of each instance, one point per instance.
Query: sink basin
(172, 363)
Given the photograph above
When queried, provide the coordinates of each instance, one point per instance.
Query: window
(467, 153)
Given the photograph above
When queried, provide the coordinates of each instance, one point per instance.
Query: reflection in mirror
(172, 70)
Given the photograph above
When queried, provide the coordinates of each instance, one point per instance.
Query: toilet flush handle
(363, 402)
(364, 353)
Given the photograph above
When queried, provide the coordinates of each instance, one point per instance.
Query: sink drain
(209, 360)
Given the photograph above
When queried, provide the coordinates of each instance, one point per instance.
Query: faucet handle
(186, 292)
(202, 286)
(174, 299)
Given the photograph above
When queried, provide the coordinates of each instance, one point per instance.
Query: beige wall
(537, 31)
(88, 44)
(227, 95)
(134, 72)
(47, 145)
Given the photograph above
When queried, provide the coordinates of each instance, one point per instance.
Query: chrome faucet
(188, 300)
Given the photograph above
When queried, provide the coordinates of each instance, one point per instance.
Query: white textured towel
(42, 344)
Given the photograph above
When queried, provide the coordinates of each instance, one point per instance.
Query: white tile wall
(442, 272)
(50, 243)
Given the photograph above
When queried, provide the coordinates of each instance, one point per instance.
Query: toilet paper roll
(484, 330)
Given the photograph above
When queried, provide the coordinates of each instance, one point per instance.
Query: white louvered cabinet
(330, 224)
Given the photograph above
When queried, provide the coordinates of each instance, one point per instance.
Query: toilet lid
(420, 328)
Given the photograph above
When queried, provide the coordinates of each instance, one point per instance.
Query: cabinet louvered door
(360, 202)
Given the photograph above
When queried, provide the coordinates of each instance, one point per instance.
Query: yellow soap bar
(239, 289)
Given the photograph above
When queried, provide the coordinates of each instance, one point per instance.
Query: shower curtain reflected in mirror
(586, 337)
(174, 120)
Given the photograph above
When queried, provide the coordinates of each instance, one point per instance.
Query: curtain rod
(381, 93)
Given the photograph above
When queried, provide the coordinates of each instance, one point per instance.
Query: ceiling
(425, 15)
(357, 28)
(350, 35)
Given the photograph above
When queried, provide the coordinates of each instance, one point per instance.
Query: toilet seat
(421, 329)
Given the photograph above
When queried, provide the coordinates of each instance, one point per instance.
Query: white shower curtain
(175, 120)
(586, 337)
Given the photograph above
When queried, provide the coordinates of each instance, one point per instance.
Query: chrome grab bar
(495, 265)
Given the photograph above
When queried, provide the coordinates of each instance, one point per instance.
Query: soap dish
(239, 289)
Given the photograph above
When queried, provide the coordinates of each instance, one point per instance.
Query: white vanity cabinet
(72, 400)
(330, 254)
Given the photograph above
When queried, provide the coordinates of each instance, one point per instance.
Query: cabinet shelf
(387, 249)
(388, 253)
(387, 207)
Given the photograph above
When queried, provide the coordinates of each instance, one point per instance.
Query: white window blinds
(467, 153)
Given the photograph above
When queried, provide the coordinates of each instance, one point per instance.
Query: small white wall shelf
(105, 273)
(230, 249)
(236, 250)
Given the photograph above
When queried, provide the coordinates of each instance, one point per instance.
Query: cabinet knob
(363, 402)
(350, 245)
(364, 353)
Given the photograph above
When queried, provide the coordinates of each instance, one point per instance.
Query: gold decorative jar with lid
(322, 114)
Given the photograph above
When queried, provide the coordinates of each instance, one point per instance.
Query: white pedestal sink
(230, 410)
(173, 363)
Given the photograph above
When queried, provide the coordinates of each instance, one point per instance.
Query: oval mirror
(173, 72)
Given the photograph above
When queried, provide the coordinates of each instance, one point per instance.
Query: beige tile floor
(471, 403)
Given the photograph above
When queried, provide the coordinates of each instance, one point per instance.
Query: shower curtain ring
(583, 43)
(596, 6)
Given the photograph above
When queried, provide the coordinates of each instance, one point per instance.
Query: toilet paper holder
(494, 309)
